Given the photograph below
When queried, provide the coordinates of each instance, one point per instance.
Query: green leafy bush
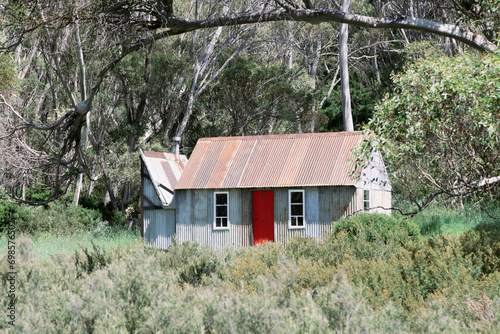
(439, 132)
(59, 218)
(115, 218)
(10, 212)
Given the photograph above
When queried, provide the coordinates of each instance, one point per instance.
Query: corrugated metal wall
(159, 227)
(323, 205)
(150, 193)
(195, 218)
(159, 223)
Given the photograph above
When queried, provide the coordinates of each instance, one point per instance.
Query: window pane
(366, 195)
(224, 222)
(218, 222)
(297, 196)
(300, 221)
(294, 221)
(221, 211)
(220, 199)
(296, 209)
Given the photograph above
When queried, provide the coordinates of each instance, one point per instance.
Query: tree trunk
(83, 95)
(203, 64)
(111, 193)
(318, 15)
(312, 73)
(344, 70)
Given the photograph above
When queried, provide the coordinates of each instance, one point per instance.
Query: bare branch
(178, 26)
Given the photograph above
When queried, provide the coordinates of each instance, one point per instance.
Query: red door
(263, 216)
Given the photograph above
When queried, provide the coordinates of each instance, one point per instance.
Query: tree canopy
(440, 129)
(96, 80)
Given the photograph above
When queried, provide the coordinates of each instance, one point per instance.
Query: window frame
(215, 227)
(366, 200)
(303, 226)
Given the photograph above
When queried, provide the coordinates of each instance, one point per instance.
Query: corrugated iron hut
(159, 175)
(240, 191)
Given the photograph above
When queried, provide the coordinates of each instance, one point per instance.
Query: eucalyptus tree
(439, 131)
(114, 29)
(252, 97)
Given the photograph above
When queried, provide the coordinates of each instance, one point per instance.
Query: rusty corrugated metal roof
(308, 159)
(165, 170)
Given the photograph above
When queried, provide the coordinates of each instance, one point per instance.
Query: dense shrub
(482, 245)
(135, 295)
(115, 218)
(10, 212)
(372, 278)
(59, 218)
(55, 218)
(377, 225)
(190, 261)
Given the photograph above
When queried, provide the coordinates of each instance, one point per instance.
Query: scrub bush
(56, 218)
(376, 225)
(483, 246)
(90, 260)
(190, 261)
(368, 279)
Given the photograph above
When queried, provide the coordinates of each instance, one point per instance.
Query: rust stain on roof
(307, 159)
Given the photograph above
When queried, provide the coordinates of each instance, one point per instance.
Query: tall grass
(438, 220)
(45, 246)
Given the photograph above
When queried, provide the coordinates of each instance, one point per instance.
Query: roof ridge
(286, 135)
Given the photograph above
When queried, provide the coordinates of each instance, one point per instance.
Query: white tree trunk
(83, 95)
(344, 70)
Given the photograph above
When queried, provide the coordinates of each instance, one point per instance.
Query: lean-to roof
(164, 170)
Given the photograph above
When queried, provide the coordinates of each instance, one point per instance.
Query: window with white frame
(296, 209)
(366, 200)
(221, 210)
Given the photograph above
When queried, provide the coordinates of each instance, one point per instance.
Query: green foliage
(376, 225)
(190, 261)
(115, 218)
(440, 131)
(251, 97)
(483, 14)
(59, 218)
(365, 92)
(438, 220)
(55, 218)
(90, 260)
(7, 72)
(482, 245)
(10, 212)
